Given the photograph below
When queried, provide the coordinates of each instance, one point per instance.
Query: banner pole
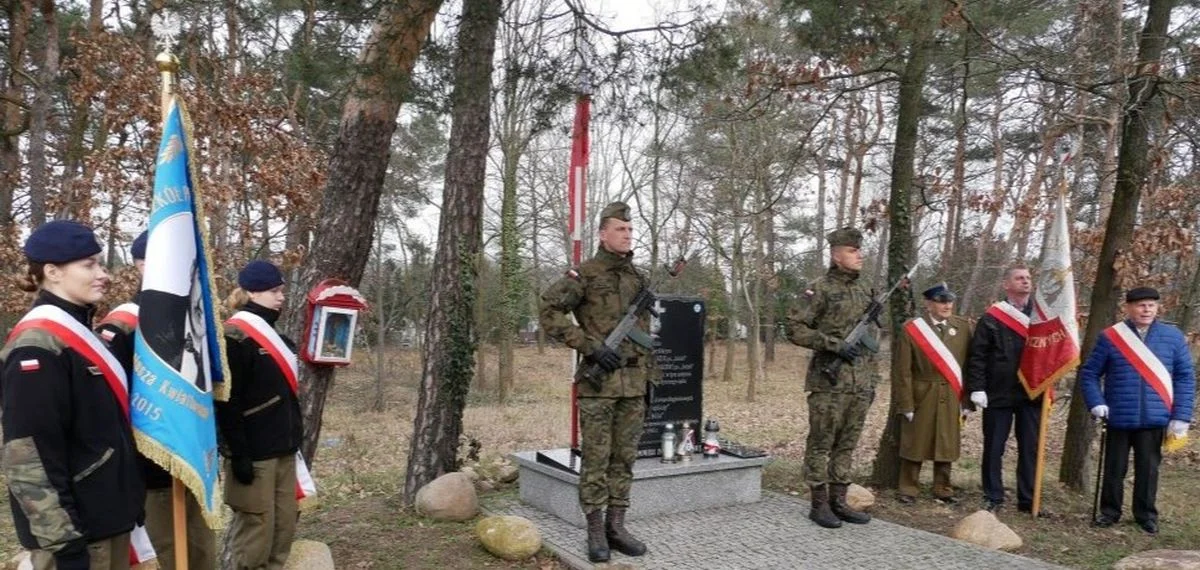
(168, 66)
(1041, 456)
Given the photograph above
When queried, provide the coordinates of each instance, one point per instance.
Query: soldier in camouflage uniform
(837, 407)
(598, 293)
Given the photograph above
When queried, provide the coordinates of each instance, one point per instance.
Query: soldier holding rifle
(612, 377)
(840, 384)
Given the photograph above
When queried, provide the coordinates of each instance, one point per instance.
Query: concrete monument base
(658, 488)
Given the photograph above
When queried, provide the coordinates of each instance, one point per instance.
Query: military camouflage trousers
(108, 554)
(835, 422)
(611, 428)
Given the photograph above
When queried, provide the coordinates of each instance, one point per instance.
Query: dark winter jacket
(69, 458)
(1132, 403)
(995, 357)
(262, 418)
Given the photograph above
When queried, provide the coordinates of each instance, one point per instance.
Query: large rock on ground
(509, 537)
(451, 497)
(1161, 560)
(309, 555)
(859, 498)
(984, 529)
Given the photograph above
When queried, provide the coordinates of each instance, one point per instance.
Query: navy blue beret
(1141, 294)
(259, 275)
(61, 241)
(940, 293)
(138, 249)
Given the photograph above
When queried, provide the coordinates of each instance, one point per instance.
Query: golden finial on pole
(166, 29)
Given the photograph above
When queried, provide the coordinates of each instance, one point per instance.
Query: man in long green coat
(927, 381)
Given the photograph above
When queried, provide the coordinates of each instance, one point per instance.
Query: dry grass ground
(361, 463)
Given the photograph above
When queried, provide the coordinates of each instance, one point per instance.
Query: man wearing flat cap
(837, 405)
(598, 293)
(927, 385)
(1147, 392)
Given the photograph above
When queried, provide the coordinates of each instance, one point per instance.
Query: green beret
(618, 210)
(845, 236)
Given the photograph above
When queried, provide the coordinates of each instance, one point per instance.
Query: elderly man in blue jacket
(1149, 386)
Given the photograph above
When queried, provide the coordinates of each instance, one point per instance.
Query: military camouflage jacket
(598, 293)
(68, 455)
(825, 314)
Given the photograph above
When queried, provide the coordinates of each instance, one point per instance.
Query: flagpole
(168, 67)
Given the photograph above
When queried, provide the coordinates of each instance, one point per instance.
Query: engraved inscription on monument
(679, 350)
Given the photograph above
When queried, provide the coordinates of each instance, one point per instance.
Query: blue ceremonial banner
(179, 360)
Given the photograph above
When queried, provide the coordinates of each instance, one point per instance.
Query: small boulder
(507, 473)
(451, 497)
(484, 486)
(309, 555)
(1161, 560)
(984, 529)
(509, 537)
(859, 498)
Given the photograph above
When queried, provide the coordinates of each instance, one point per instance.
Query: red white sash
(125, 314)
(937, 352)
(264, 334)
(1014, 319)
(82, 340)
(1149, 367)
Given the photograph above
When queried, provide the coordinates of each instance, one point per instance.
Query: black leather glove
(607, 358)
(72, 558)
(243, 470)
(849, 352)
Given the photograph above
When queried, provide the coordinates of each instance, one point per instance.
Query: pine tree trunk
(1132, 168)
(900, 254)
(350, 202)
(39, 173)
(511, 291)
(449, 340)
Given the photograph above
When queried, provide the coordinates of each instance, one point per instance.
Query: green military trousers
(835, 423)
(109, 554)
(264, 514)
(610, 429)
(160, 525)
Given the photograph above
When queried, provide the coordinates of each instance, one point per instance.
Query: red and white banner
(1052, 340)
(1149, 367)
(82, 340)
(265, 335)
(937, 352)
(1010, 317)
(140, 548)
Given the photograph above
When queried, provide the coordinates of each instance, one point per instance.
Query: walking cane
(1099, 468)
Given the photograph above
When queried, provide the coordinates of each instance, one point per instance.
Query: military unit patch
(30, 365)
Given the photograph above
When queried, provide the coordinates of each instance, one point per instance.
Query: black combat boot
(618, 537)
(597, 543)
(820, 512)
(843, 510)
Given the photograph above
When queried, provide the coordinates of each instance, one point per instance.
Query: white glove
(979, 398)
(908, 416)
(1177, 428)
(1100, 411)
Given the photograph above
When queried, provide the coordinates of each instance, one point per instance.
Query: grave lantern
(330, 323)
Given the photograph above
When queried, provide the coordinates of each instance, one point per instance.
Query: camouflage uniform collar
(81, 313)
(840, 274)
(613, 259)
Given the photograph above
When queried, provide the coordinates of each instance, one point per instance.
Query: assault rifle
(860, 335)
(593, 373)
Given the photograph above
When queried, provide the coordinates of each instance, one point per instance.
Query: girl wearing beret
(260, 425)
(68, 452)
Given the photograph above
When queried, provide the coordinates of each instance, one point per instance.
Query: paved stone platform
(774, 533)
